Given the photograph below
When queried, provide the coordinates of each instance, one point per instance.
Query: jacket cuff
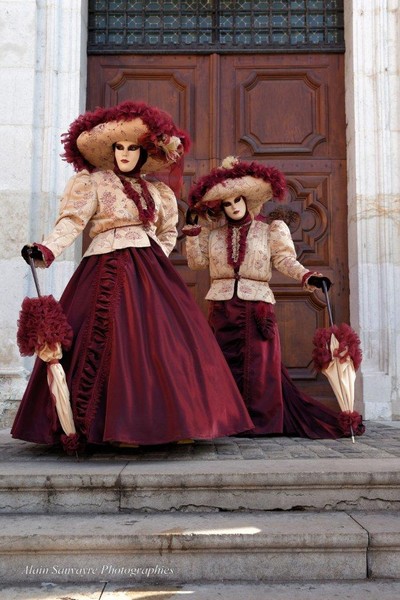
(191, 230)
(48, 256)
(306, 277)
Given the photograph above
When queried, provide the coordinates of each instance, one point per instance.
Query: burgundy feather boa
(159, 123)
(349, 345)
(241, 169)
(148, 209)
(42, 321)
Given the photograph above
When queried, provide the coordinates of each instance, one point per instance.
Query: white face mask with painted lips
(235, 209)
(126, 155)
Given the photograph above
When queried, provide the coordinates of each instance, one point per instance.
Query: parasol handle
(34, 273)
(328, 304)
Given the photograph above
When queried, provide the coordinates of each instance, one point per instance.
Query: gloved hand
(316, 281)
(191, 228)
(191, 218)
(29, 250)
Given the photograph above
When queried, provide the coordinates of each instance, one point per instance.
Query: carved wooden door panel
(280, 109)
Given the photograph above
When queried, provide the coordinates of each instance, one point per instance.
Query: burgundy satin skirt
(144, 367)
(275, 404)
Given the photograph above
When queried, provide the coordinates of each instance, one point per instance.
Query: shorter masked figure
(240, 249)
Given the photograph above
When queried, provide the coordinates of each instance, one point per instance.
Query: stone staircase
(229, 512)
(184, 515)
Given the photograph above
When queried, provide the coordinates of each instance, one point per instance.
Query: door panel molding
(296, 98)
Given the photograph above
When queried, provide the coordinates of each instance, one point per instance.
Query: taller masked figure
(240, 249)
(144, 367)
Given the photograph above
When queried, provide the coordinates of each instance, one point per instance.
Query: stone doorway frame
(57, 93)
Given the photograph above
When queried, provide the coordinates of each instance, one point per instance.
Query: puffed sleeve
(283, 253)
(78, 205)
(197, 250)
(166, 230)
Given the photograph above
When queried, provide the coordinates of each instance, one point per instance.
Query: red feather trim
(191, 230)
(71, 443)
(42, 321)
(172, 176)
(265, 320)
(351, 423)
(321, 353)
(241, 169)
(349, 345)
(160, 126)
(145, 203)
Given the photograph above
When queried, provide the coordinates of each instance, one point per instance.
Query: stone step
(333, 590)
(123, 486)
(188, 548)
(193, 548)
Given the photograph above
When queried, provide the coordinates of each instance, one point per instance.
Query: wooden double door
(285, 110)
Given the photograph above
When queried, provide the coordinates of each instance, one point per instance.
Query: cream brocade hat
(91, 137)
(234, 178)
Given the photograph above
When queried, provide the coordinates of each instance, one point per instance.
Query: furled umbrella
(43, 329)
(337, 354)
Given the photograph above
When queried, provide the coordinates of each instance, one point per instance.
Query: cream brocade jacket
(98, 198)
(267, 246)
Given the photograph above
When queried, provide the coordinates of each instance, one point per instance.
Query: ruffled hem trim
(97, 341)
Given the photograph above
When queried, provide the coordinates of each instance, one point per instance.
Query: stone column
(372, 30)
(42, 88)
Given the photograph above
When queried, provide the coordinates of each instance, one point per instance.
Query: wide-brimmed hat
(234, 178)
(90, 139)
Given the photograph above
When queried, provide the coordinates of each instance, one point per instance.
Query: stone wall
(42, 88)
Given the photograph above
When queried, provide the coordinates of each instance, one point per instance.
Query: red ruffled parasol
(337, 354)
(44, 330)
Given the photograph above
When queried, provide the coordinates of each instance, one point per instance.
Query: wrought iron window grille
(209, 26)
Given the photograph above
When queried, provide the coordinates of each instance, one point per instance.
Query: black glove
(31, 251)
(191, 217)
(317, 280)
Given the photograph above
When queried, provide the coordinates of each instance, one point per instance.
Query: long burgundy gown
(275, 404)
(144, 367)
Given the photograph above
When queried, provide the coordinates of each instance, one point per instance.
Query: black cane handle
(34, 273)
(328, 303)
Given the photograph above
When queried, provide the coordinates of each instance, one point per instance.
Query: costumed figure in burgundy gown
(144, 366)
(240, 249)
